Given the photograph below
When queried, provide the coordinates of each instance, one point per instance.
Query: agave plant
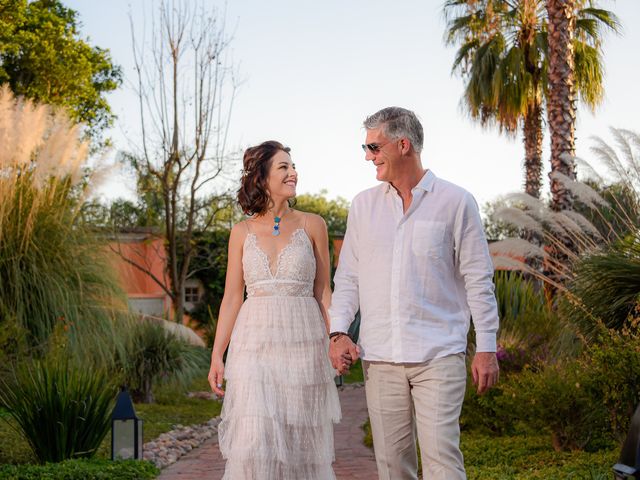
(62, 409)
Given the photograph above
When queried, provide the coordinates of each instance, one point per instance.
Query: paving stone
(354, 461)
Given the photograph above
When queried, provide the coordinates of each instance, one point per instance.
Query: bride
(280, 400)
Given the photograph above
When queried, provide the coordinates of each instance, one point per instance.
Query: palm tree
(503, 57)
(571, 36)
(561, 108)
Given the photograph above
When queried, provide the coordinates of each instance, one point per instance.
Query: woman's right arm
(229, 308)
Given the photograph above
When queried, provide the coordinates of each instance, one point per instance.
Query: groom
(415, 262)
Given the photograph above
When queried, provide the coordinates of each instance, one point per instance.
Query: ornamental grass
(53, 272)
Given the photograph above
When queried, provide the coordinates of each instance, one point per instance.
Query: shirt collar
(426, 182)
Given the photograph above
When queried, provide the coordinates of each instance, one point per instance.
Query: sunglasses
(373, 147)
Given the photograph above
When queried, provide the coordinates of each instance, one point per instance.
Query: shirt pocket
(428, 238)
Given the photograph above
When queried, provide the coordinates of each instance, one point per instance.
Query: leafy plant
(607, 284)
(153, 354)
(62, 409)
(531, 333)
(44, 57)
(559, 398)
(586, 402)
(489, 413)
(82, 470)
(612, 363)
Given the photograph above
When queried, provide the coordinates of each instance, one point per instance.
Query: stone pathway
(354, 461)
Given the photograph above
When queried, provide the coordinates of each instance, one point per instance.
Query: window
(191, 294)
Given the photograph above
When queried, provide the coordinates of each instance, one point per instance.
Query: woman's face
(282, 178)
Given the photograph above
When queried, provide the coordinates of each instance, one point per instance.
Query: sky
(313, 71)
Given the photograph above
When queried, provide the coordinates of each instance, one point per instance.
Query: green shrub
(530, 334)
(82, 470)
(613, 367)
(154, 354)
(63, 410)
(559, 399)
(14, 448)
(586, 403)
(488, 413)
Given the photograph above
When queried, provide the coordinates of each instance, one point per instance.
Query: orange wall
(148, 252)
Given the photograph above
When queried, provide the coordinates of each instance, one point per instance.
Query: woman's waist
(280, 288)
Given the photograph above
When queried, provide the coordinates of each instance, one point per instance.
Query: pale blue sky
(315, 69)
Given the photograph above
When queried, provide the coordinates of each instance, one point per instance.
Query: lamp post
(126, 429)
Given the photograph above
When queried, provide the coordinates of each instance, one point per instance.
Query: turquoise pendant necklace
(276, 224)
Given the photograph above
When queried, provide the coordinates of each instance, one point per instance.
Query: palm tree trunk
(532, 133)
(561, 106)
(532, 139)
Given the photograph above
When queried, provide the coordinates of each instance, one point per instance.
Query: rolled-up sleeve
(475, 267)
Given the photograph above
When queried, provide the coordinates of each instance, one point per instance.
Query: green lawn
(172, 408)
(526, 457)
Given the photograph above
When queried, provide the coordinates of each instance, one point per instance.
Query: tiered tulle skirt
(281, 400)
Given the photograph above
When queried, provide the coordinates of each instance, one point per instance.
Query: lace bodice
(295, 268)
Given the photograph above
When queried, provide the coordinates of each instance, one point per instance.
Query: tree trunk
(184, 142)
(532, 133)
(178, 304)
(561, 107)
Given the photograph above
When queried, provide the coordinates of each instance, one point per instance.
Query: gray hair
(397, 122)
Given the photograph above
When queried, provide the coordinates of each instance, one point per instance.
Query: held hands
(485, 371)
(343, 353)
(216, 375)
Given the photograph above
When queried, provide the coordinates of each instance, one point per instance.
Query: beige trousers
(423, 397)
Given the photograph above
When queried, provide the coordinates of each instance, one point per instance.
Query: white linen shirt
(418, 276)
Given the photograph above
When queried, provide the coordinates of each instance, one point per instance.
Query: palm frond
(459, 27)
(604, 17)
(464, 54)
(589, 73)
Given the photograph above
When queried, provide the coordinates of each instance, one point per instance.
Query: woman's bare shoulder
(240, 231)
(313, 220)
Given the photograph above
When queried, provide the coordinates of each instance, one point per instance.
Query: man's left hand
(485, 371)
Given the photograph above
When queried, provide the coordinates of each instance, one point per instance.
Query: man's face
(385, 155)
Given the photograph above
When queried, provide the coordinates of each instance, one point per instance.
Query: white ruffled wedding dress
(281, 400)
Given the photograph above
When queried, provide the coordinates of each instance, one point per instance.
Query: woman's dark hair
(253, 195)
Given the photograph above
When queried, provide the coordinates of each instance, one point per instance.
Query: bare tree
(186, 86)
